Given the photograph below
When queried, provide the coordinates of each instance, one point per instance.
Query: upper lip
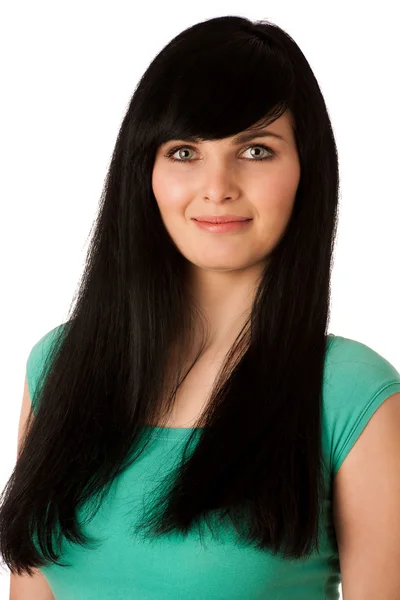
(220, 219)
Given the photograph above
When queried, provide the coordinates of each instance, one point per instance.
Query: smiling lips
(220, 219)
(227, 227)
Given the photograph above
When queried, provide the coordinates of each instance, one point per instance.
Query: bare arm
(24, 587)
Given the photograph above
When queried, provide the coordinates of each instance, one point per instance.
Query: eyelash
(173, 150)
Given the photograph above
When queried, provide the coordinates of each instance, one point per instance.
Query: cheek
(276, 202)
(276, 196)
(168, 191)
(284, 193)
(284, 180)
(170, 205)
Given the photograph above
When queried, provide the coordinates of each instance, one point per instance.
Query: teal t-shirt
(357, 380)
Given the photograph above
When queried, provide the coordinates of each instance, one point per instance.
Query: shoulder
(43, 345)
(346, 356)
(354, 371)
(37, 357)
(357, 380)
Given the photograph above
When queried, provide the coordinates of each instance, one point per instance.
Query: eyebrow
(246, 136)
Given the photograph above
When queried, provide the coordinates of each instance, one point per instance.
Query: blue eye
(174, 150)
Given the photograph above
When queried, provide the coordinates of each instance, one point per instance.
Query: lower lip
(222, 227)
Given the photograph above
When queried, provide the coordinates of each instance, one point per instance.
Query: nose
(219, 184)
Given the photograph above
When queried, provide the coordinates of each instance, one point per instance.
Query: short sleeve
(36, 362)
(357, 381)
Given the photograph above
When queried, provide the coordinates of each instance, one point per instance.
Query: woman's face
(214, 178)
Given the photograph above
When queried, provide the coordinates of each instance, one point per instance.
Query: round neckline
(176, 433)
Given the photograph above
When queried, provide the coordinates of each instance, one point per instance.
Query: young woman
(190, 416)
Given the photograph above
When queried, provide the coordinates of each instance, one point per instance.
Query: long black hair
(258, 458)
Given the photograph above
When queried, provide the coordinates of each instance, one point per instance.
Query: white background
(68, 72)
